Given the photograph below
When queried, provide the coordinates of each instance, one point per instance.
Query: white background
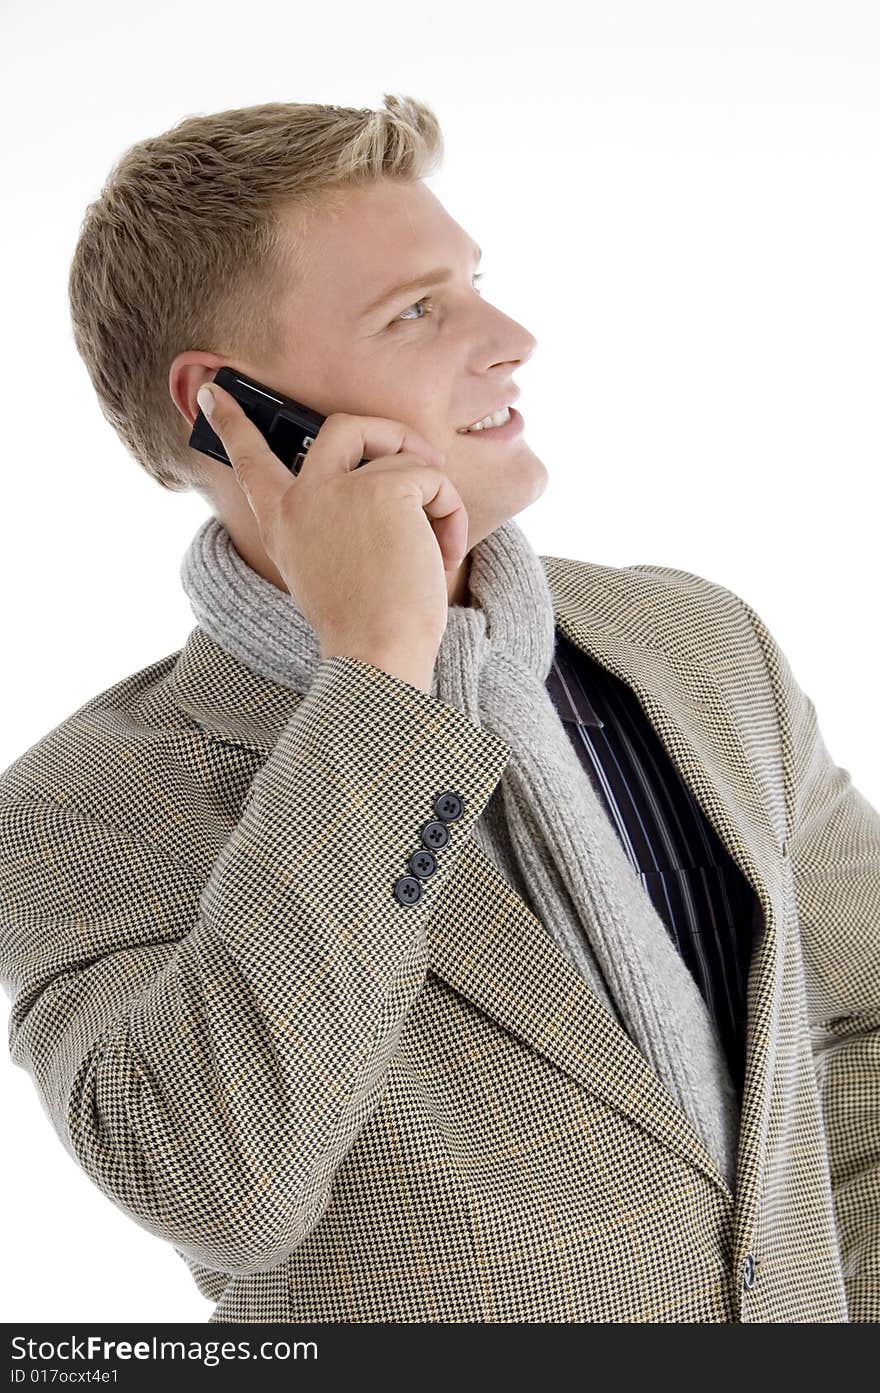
(679, 200)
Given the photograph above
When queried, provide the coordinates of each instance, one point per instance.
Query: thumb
(261, 475)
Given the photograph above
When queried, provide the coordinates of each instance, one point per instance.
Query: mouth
(511, 428)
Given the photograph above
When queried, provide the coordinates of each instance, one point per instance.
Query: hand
(363, 551)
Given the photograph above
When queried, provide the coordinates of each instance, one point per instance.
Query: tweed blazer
(343, 1102)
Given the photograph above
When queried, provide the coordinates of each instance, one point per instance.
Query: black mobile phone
(288, 426)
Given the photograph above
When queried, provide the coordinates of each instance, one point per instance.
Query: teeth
(498, 419)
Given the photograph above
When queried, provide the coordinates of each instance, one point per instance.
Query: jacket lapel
(485, 942)
(506, 962)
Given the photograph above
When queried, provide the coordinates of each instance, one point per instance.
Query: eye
(426, 303)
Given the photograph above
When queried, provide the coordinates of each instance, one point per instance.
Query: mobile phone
(288, 426)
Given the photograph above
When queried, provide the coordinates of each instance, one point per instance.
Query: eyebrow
(422, 282)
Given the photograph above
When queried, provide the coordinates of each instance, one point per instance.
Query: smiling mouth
(511, 427)
(489, 422)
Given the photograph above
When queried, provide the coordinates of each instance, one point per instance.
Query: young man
(445, 932)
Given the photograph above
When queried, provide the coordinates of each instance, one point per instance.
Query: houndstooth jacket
(339, 1106)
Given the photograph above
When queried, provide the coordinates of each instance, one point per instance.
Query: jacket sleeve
(834, 846)
(208, 1055)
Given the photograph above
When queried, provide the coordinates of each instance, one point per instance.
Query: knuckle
(335, 420)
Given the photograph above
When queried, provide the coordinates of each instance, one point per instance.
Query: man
(329, 961)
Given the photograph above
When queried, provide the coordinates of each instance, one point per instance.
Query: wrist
(415, 668)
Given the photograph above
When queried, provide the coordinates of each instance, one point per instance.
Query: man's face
(438, 365)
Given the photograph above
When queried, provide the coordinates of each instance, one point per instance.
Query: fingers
(260, 473)
(344, 440)
(341, 443)
(451, 532)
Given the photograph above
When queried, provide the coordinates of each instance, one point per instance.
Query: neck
(246, 540)
(457, 583)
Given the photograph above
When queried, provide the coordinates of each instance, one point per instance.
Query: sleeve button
(422, 863)
(407, 889)
(448, 806)
(434, 835)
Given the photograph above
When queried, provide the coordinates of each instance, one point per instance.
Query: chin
(506, 485)
(526, 480)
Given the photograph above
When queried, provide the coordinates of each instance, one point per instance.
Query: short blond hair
(185, 249)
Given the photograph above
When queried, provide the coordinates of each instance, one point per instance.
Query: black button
(749, 1272)
(434, 835)
(422, 863)
(448, 806)
(407, 889)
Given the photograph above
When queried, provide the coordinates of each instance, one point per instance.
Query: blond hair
(185, 249)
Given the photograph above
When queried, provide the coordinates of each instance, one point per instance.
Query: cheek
(421, 384)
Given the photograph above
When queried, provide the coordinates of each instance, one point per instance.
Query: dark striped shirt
(699, 892)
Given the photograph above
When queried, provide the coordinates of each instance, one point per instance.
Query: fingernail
(205, 399)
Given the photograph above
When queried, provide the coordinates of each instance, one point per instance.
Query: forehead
(351, 238)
